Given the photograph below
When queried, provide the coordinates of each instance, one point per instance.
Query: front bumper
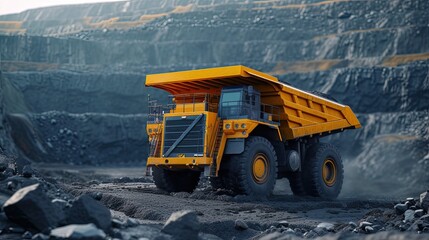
(179, 161)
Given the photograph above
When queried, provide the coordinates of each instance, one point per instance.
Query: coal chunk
(400, 208)
(327, 226)
(424, 200)
(240, 225)
(182, 225)
(27, 171)
(87, 210)
(32, 209)
(344, 15)
(78, 232)
(4, 163)
(409, 215)
(418, 213)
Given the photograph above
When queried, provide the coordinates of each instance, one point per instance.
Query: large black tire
(323, 171)
(253, 172)
(217, 182)
(176, 181)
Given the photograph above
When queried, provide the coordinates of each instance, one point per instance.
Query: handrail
(214, 137)
(189, 102)
(155, 141)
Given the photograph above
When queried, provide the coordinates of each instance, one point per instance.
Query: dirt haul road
(218, 210)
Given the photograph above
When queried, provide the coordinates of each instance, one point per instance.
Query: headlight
(150, 130)
(236, 125)
(227, 126)
(243, 125)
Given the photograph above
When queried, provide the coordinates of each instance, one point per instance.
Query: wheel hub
(329, 172)
(260, 168)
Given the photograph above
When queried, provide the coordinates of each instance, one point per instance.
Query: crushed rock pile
(407, 219)
(33, 208)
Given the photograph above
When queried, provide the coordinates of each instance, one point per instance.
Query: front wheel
(253, 172)
(323, 171)
(176, 181)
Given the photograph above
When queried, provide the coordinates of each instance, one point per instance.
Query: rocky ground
(59, 202)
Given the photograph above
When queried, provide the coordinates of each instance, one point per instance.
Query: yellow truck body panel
(301, 113)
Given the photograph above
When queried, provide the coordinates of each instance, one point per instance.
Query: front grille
(192, 144)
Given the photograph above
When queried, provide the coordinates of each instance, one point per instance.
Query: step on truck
(244, 129)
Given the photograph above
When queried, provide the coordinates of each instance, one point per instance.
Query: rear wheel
(253, 172)
(176, 181)
(323, 171)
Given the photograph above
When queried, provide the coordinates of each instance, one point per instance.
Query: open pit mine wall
(64, 137)
(5, 143)
(11, 100)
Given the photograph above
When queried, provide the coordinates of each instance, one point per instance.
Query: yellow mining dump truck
(244, 129)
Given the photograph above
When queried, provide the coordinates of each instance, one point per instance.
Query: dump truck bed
(301, 113)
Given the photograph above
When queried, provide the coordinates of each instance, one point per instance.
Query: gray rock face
(10, 100)
(182, 225)
(31, 208)
(90, 138)
(395, 159)
(78, 232)
(87, 210)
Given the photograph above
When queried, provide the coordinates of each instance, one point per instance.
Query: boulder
(418, 213)
(27, 171)
(117, 223)
(283, 223)
(61, 203)
(401, 208)
(78, 232)
(409, 215)
(425, 218)
(32, 209)
(4, 163)
(240, 225)
(353, 224)
(327, 226)
(369, 229)
(8, 172)
(344, 15)
(18, 182)
(424, 200)
(363, 224)
(182, 225)
(87, 210)
(40, 236)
